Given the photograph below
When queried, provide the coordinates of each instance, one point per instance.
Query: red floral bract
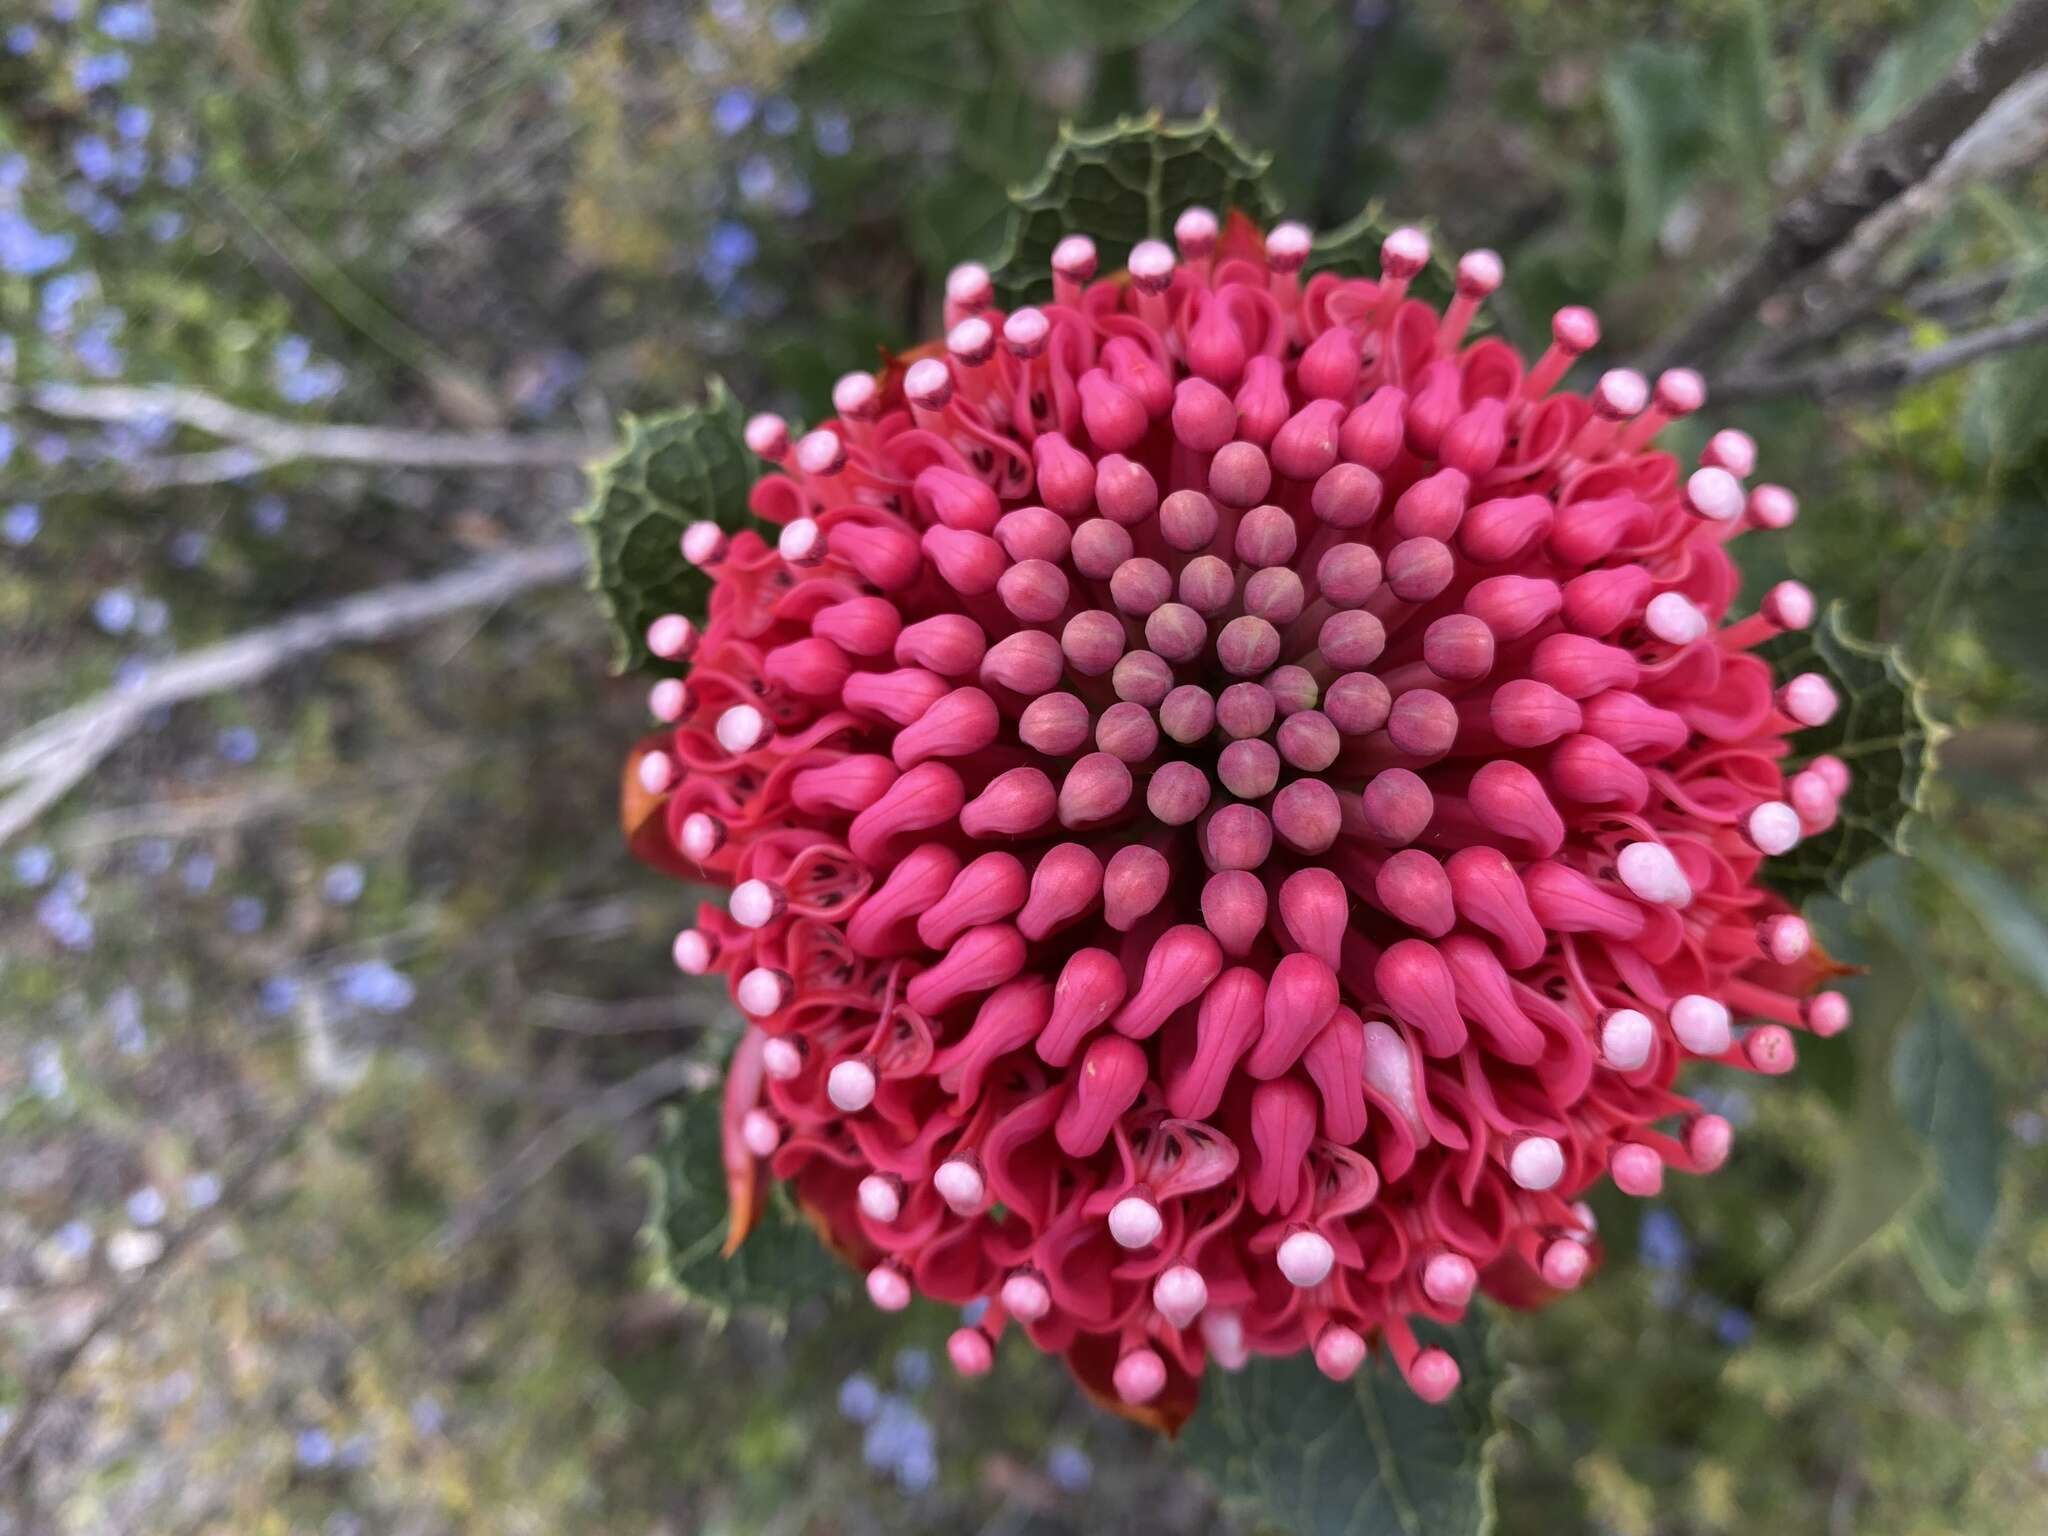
(1239, 804)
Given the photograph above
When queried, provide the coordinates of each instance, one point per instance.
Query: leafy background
(371, 920)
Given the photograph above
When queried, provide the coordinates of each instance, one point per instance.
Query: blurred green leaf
(1058, 26)
(1946, 1094)
(1301, 1453)
(1122, 184)
(1880, 731)
(1654, 103)
(1882, 1165)
(780, 1264)
(2005, 413)
(2008, 915)
(670, 472)
(1739, 78)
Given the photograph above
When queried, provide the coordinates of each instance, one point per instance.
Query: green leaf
(1122, 184)
(1882, 1165)
(780, 1264)
(671, 471)
(1881, 731)
(1946, 1094)
(1298, 1452)
(1060, 26)
(1654, 102)
(2007, 913)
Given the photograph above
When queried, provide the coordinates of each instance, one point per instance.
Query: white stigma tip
(755, 903)
(1026, 1298)
(801, 542)
(1674, 618)
(929, 383)
(1715, 494)
(851, 1086)
(1809, 699)
(1404, 253)
(703, 542)
(969, 283)
(1651, 872)
(1074, 257)
(972, 341)
(1135, 1222)
(880, 1199)
(760, 1132)
(1305, 1258)
(782, 1058)
(1223, 1336)
(767, 436)
(657, 772)
(1537, 1162)
(1701, 1024)
(960, 1185)
(692, 952)
(668, 699)
(671, 636)
(888, 1289)
(1287, 246)
(1625, 1039)
(1790, 605)
(1621, 392)
(762, 991)
(1774, 828)
(1180, 1293)
(1152, 263)
(822, 452)
(1196, 229)
(1480, 273)
(1448, 1279)
(741, 728)
(856, 395)
(702, 835)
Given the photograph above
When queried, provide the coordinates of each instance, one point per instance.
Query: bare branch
(137, 1293)
(1879, 369)
(257, 441)
(2010, 137)
(45, 762)
(1864, 178)
(532, 1162)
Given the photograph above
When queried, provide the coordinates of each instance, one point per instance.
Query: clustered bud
(1239, 802)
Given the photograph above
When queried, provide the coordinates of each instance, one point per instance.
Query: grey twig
(1866, 176)
(1855, 282)
(255, 441)
(45, 762)
(134, 1295)
(1879, 369)
(532, 1162)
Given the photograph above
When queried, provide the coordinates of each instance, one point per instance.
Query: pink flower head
(1240, 801)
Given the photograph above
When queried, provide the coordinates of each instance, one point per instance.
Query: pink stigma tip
(1140, 1376)
(1651, 872)
(1404, 253)
(760, 1132)
(1180, 1294)
(782, 1057)
(881, 1198)
(1626, 1038)
(1827, 1013)
(970, 1351)
(1714, 494)
(692, 952)
(762, 991)
(1026, 1298)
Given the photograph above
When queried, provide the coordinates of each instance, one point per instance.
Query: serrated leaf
(1297, 1452)
(1881, 731)
(780, 1264)
(1122, 184)
(1946, 1094)
(671, 471)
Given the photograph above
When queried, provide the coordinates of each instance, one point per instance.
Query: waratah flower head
(1240, 802)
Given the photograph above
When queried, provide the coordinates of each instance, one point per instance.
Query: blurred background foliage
(325, 1001)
